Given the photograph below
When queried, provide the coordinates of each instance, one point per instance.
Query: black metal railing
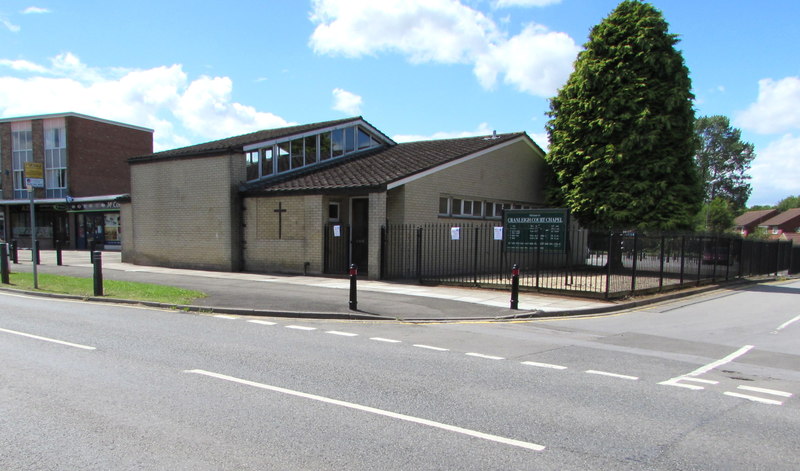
(592, 263)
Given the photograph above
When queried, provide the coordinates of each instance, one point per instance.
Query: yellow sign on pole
(34, 170)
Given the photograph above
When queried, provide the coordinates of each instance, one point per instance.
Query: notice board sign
(532, 229)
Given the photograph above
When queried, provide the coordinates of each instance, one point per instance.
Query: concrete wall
(185, 213)
(512, 173)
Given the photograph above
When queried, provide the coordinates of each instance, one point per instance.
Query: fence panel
(594, 263)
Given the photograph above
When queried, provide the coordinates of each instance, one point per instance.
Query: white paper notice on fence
(498, 232)
(455, 233)
(337, 231)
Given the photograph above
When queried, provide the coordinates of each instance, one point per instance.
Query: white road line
(438, 349)
(488, 357)
(373, 410)
(343, 334)
(700, 380)
(786, 324)
(300, 327)
(754, 398)
(46, 339)
(224, 316)
(380, 339)
(765, 391)
(676, 382)
(613, 375)
(720, 362)
(262, 322)
(544, 365)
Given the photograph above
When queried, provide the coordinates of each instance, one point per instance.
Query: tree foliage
(621, 129)
(790, 202)
(716, 216)
(723, 161)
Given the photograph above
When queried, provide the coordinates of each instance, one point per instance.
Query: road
(709, 382)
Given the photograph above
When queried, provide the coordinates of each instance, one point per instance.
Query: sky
(195, 71)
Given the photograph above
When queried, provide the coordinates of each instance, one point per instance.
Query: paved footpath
(287, 295)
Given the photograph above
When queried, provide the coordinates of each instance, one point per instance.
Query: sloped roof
(752, 217)
(782, 218)
(380, 167)
(237, 143)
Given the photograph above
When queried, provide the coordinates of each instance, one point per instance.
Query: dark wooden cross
(280, 212)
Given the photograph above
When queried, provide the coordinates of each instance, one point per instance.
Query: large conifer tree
(621, 130)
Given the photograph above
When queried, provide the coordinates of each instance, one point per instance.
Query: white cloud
(482, 130)
(23, 66)
(180, 110)
(35, 10)
(9, 25)
(346, 102)
(777, 109)
(775, 171)
(524, 3)
(424, 30)
(536, 61)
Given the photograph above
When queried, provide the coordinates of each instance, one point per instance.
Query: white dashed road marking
(262, 322)
(754, 398)
(438, 349)
(300, 327)
(380, 339)
(488, 357)
(343, 334)
(612, 375)
(544, 365)
(765, 391)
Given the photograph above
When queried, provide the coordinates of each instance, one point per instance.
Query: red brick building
(77, 166)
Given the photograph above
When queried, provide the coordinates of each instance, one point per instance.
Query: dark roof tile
(379, 167)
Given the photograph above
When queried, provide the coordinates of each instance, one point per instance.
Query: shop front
(97, 225)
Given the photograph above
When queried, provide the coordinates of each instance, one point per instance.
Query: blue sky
(416, 69)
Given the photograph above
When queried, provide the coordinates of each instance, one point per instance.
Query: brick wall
(97, 155)
(185, 213)
(511, 173)
(301, 237)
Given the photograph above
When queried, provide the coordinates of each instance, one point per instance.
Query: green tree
(621, 129)
(723, 161)
(790, 202)
(716, 216)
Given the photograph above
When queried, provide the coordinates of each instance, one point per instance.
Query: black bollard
(14, 253)
(353, 291)
(515, 287)
(59, 260)
(4, 264)
(97, 261)
(37, 254)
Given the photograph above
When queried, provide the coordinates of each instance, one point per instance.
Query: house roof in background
(782, 218)
(752, 217)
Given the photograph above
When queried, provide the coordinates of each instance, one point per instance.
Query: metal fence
(593, 263)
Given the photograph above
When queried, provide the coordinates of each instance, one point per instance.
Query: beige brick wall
(511, 173)
(185, 213)
(301, 236)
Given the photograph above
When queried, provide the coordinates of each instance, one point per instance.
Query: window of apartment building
(21, 152)
(55, 158)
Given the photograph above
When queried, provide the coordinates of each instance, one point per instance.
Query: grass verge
(112, 289)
